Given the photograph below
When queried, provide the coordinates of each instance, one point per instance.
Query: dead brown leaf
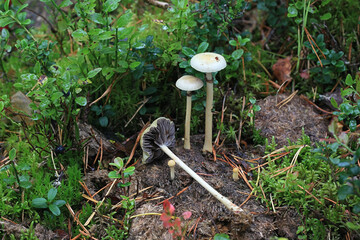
(282, 69)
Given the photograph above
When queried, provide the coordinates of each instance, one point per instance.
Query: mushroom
(235, 174)
(160, 135)
(188, 83)
(171, 164)
(208, 63)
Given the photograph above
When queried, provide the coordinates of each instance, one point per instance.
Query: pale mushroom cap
(189, 83)
(171, 163)
(235, 170)
(208, 62)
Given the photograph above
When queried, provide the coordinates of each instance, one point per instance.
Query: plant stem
(306, 8)
(28, 32)
(116, 48)
(231, 206)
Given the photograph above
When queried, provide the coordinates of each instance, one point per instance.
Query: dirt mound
(287, 121)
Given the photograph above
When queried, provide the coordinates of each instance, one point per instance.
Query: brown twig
(136, 143)
(183, 190)
(310, 194)
(307, 100)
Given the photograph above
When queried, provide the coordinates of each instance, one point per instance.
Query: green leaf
(124, 19)
(325, 17)
(59, 203)
(65, 3)
(12, 154)
(108, 72)
(54, 209)
(292, 11)
(325, 2)
(202, 47)
(134, 65)
(114, 174)
(97, 18)
(237, 54)
(356, 208)
(93, 72)
(188, 51)
(233, 43)
(119, 162)
(51, 194)
(124, 184)
(334, 103)
(184, 64)
(347, 92)
(25, 22)
(129, 171)
(5, 34)
(79, 35)
(344, 191)
(335, 160)
(55, 96)
(21, 8)
(149, 90)
(81, 101)
(352, 125)
(7, 5)
(106, 35)
(221, 236)
(110, 5)
(2, 105)
(4, 21)
(349, 80)
(39, 203)
(353, 226)
(25, 184)
(103, 121)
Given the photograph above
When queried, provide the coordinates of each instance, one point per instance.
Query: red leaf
(166, 220)
(186, 215)
(177, 223)
(168, 207)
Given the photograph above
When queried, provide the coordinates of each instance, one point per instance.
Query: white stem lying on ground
(231, 206)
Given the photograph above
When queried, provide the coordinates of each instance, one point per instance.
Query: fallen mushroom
(188, 83)
(208, 63)
(171, 164)
(161, 135)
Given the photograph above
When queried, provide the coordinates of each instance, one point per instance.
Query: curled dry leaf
(282, 69)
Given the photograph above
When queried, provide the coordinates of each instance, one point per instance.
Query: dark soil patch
(214, 217)
(286, 122)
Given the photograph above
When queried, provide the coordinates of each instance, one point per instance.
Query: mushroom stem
(231, 206)
(187, 121)
(208, 113)
(235, 174)
(171, 164)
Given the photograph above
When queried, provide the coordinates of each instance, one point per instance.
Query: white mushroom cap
(189, 83)
(208, 62)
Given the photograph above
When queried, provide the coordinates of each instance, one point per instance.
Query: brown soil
(214, 217)
(286, 122)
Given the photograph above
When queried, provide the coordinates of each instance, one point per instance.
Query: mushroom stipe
(160, 135)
